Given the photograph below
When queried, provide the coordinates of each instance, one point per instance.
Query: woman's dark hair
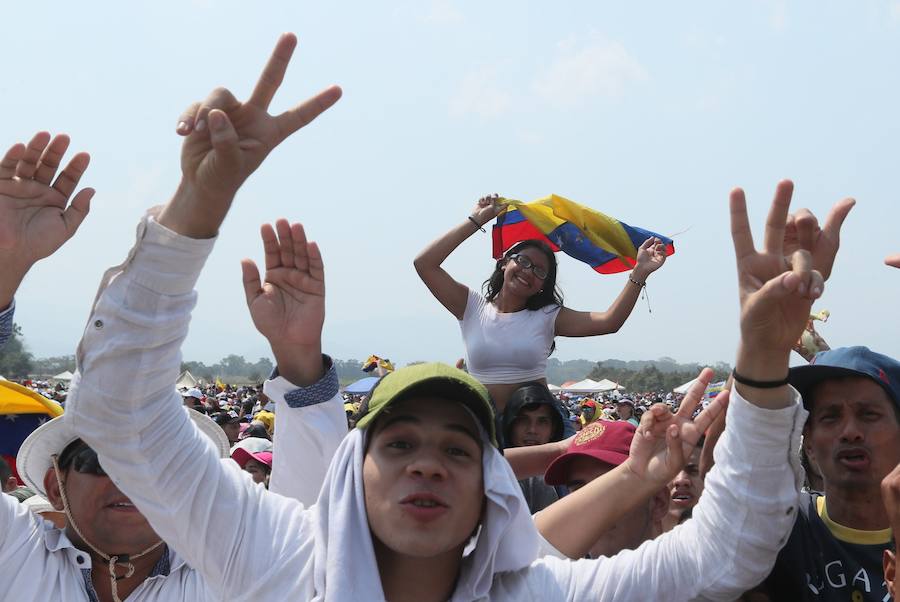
(549, 295)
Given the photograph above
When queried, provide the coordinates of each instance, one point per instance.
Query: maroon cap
(602, 440)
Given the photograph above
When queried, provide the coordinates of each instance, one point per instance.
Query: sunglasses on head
(82, 458)
(524, 262)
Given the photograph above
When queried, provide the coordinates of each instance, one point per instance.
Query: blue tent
(362, 386)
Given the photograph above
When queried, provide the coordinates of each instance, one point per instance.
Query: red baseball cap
(603, 440)
(242, 456)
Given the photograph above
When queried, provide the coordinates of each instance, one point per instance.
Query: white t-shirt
(506, 347)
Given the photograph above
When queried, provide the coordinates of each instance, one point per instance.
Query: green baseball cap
(439, 380)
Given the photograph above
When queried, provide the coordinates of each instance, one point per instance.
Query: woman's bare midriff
(501, 392)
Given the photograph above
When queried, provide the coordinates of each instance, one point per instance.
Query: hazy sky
(650, 112)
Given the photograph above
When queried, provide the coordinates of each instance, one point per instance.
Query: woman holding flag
(508, 331)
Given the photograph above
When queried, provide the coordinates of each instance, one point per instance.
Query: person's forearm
(10, 280)
(764, 366)
(180, 214)
(599, 505)
(300, 365)
(136, 328)
(311, 426)
(436, 252)
(532, 460)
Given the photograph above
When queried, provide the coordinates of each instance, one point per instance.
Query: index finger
(273, 72)
(695, 393)
(293, 119)
(741, 235)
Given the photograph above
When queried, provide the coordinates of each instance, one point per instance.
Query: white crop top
(506, 347)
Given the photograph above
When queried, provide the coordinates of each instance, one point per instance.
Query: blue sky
(650, 112)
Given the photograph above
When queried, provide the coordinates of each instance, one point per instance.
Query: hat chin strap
(123, 560)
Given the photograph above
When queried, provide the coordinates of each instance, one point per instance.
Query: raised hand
(36, 215)
(802, 231)
(777, 291)
(226, 140)
(893, 260)
(651, 256)
(487, 208)
(288, 307)
(664, 440)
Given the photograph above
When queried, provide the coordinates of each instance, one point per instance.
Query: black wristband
(477, 225)
(760, 384)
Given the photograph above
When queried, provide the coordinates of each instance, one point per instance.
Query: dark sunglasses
(82, 458)
(525, 263)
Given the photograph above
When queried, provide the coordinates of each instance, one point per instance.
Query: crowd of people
(446, 484)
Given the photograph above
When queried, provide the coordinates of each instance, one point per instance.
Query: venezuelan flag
(21, 411)
(604, 243)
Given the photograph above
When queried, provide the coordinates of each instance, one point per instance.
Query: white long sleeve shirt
(250, 544)
(38, 562)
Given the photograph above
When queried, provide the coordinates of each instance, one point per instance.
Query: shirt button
(98, 324)
(79, 559)
(789, 510)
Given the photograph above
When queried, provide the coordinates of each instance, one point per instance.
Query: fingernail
(215, 121)
(817, 291)
(201, 126)
(802, 288)
(182, 126)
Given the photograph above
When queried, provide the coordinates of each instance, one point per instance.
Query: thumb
(77, 210)
(250, 277)
(779, 287)
(224, 141)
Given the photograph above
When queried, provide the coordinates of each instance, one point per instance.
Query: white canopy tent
(186, 380)
(682, 389)
(610, 385)
(64, 376)
(554, 388)
(592, 386)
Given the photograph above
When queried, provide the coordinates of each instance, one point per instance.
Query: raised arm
(659, 450)
(751, 495)
(532, 460)
(36, 214)
(448, 291)
(570, 323)
(288, 308)
(777, 287)
(207, 510)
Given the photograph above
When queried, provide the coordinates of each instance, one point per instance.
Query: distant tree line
(663, 374)
(15, 361)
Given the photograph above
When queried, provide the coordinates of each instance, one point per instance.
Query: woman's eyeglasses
(525, 263)
(82, 458)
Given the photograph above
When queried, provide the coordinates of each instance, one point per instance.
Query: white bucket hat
(52, 437)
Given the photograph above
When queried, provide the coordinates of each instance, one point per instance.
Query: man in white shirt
(107, 550)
